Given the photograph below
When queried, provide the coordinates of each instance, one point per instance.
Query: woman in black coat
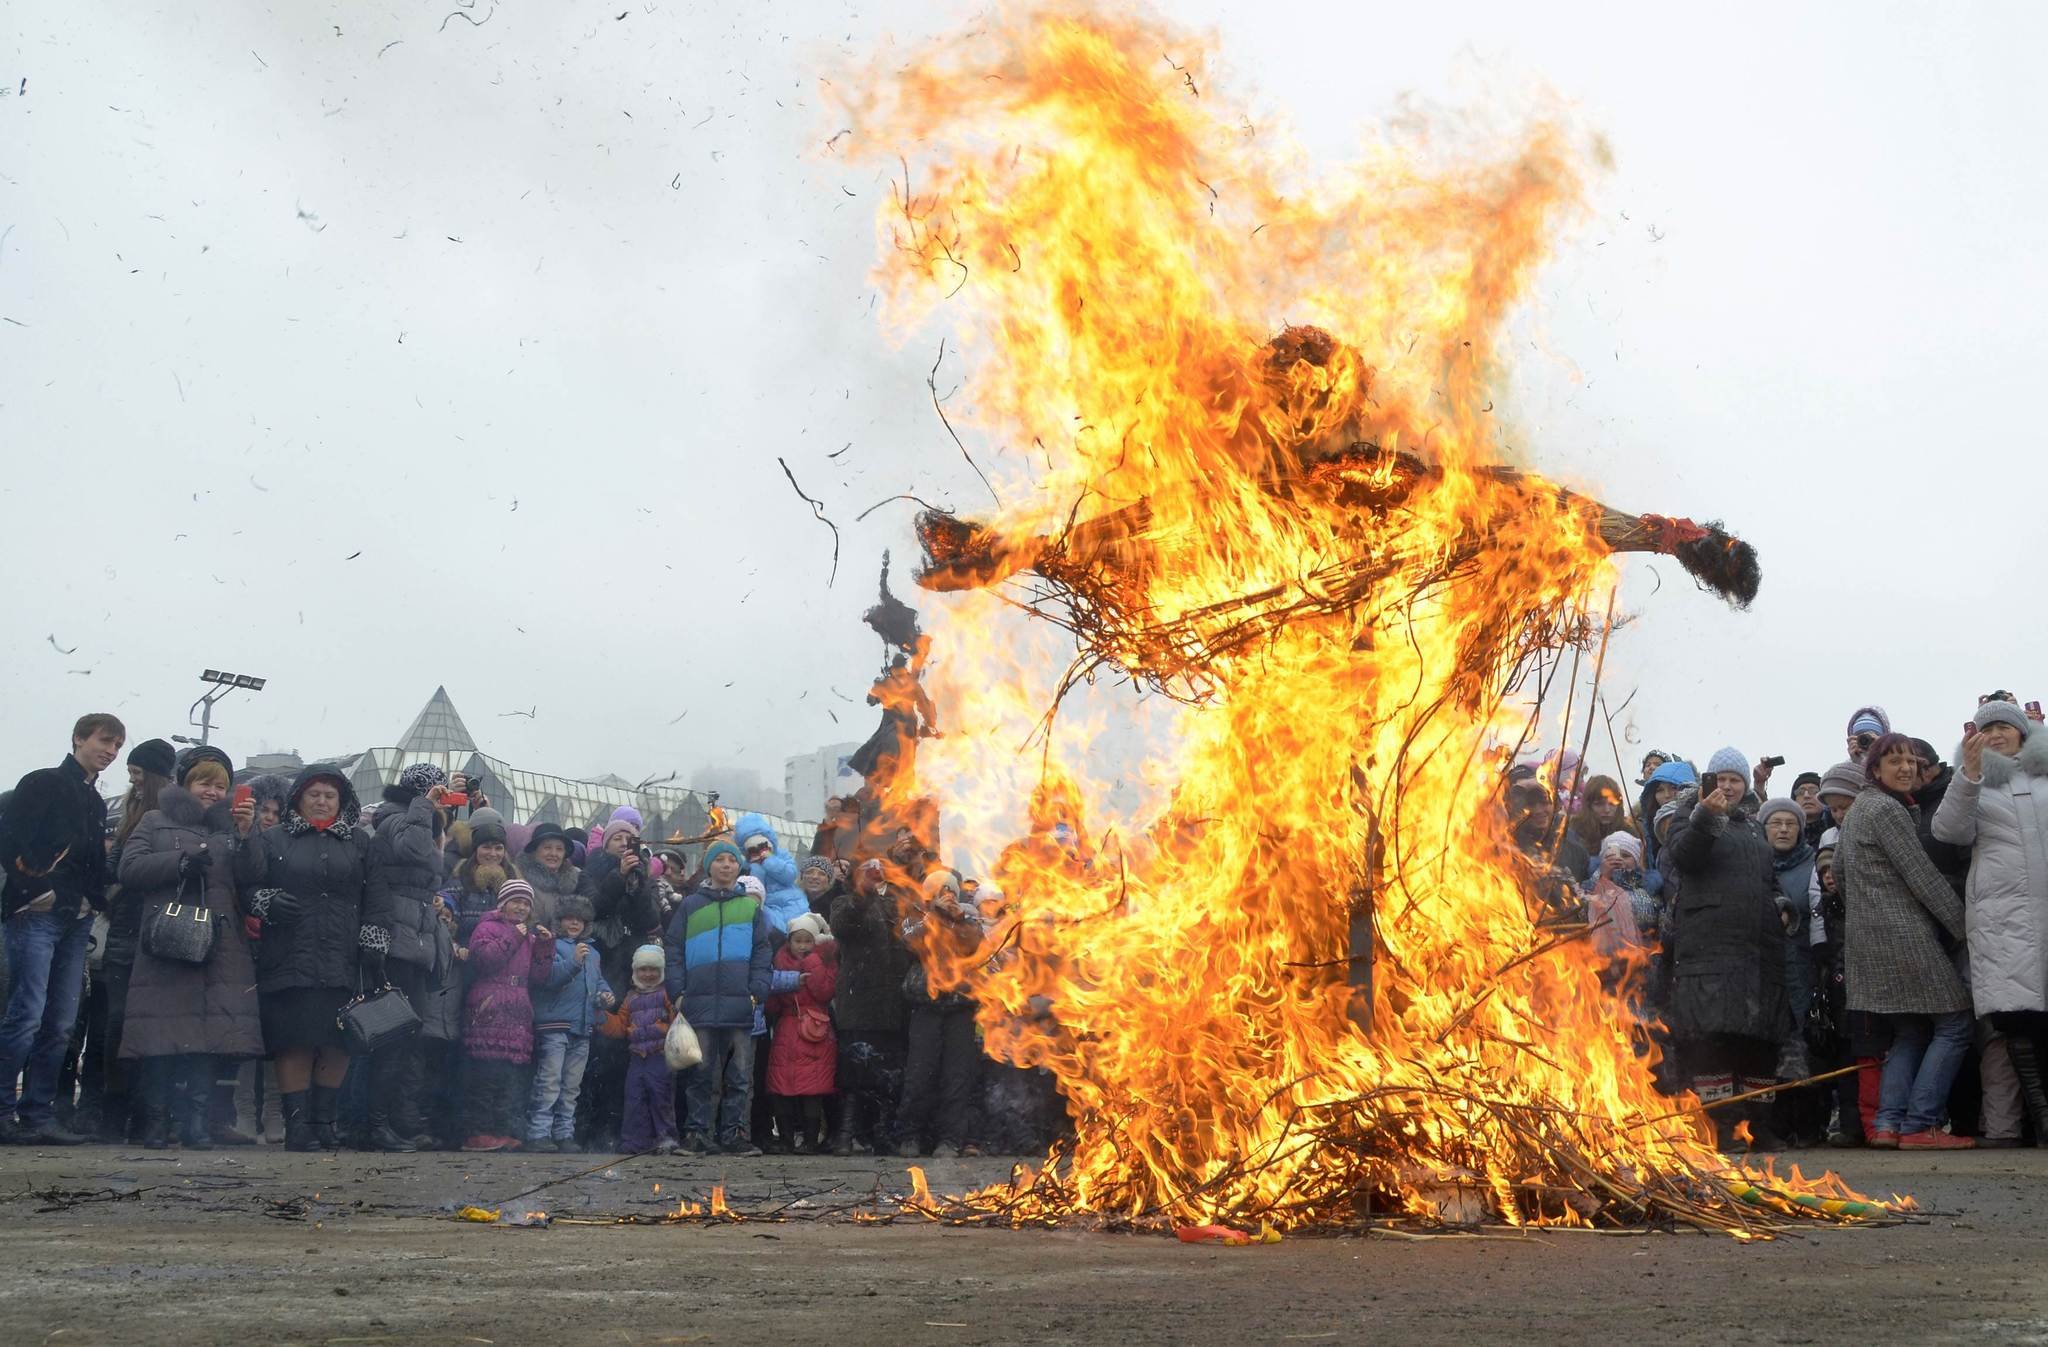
(307, 881)
(403, 898)
(1726, 937)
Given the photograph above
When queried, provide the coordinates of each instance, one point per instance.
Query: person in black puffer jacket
(1726, 936)
(869, 1010)
(405, 870)
(307, 882)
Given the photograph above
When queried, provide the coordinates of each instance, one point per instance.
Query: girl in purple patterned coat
(505, 957)
(649, 1123)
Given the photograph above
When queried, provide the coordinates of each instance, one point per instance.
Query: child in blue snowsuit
(566, 1011)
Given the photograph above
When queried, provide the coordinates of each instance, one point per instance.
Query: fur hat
(650, 956)
(514, 888)
(722, 848)
(812, 922)
(1844, 778)
(577, 906)
(1728, 760)
(154, 756)
(1989, 714)
(1780, 806)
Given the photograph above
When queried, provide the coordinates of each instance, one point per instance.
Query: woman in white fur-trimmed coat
(1997, 806)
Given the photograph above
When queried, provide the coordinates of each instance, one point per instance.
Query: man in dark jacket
(869, 1010)
(53, 843)
(718, 971)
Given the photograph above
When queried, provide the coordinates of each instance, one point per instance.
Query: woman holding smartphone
(1997, 806)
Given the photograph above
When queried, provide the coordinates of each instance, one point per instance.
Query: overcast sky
(367, 349)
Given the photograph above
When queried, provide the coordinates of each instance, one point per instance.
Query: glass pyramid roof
(438, 729)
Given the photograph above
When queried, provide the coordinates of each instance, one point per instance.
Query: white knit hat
(650, 956)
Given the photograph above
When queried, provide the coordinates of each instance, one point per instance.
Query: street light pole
(226, 683)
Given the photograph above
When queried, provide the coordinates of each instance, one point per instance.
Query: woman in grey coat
(1903, 921)
(183, 1017)
(1997, 805)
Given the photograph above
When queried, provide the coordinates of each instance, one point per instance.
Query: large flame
(1114, 249)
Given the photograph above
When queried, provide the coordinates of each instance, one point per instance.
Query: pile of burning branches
(1308, 986)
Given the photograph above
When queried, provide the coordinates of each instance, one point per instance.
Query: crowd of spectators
(1883, 925)
(197, 973)
(545, 969)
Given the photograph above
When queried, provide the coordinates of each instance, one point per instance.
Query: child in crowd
(802, 1067)
(643, 1020)
(506, 956)
(567, 1007)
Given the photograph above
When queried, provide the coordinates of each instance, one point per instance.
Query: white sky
(230, 263)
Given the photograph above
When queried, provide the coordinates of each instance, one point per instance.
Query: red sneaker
(1932, 1140)
(484, 1143)
(1888, 1141)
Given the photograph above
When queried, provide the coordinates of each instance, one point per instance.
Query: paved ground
(263, 1247)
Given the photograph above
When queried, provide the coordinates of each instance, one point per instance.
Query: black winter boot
(2026, 1064)
(387, 1096)
(325, 1101)
(193, 1104)
(298, 1122)
(156, 1103)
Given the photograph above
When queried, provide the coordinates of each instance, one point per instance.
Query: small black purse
(179, 931)
(376, 1018)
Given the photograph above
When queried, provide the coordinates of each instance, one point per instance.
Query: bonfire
(1240, 430)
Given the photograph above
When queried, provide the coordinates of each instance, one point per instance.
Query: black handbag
(179, 931)
(376, 1018)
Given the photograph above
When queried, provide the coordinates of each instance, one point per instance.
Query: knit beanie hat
(1622, 844)
(1805, 779)
(422, 777)
(1989, 714)
(1728, 760)
(626, 813)
(818, 863)
(485, 826)
(650, 956)
(617, 826)
(486, 817)
(514, 888)
(199, 753)
(154, 756)
(1780, 806)
(722, 848)
(1844, 778)
(1828, 840)
(941, 881)
(1869, 720)
(1668, 813)
(812, 922)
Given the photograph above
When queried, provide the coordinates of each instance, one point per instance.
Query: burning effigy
(1246, 455)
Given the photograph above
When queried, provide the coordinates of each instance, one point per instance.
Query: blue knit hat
(1728, 760)
(722, 848)
(1677, 772)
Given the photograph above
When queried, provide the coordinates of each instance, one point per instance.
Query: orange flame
(1114, 249)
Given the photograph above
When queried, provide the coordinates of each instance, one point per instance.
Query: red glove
(252, 927)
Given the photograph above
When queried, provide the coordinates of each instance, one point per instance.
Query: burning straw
(1310, 990)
